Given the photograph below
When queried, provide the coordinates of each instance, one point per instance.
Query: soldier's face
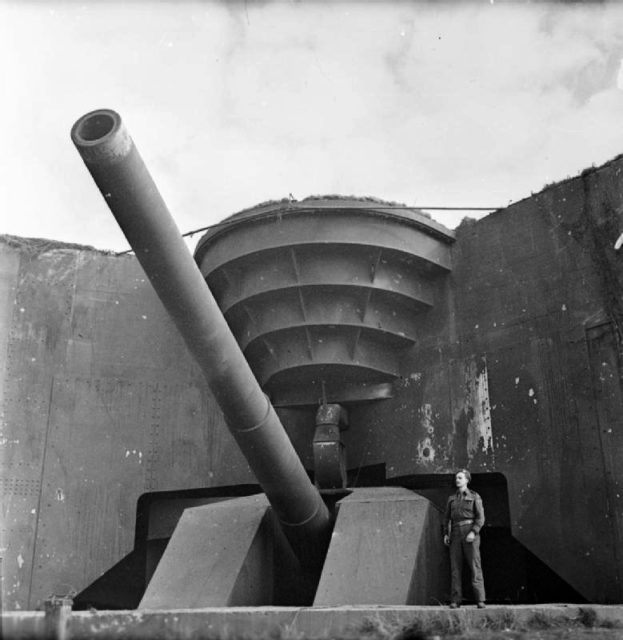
(460, 480)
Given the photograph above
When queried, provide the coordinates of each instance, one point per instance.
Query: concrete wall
(100, 403)
(516, 371)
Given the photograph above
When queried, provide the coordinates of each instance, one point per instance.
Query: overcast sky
(231, 104)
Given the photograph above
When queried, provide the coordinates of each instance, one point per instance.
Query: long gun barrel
(120, 174)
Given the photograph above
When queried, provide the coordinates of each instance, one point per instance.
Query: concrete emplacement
(229, 554)
(514, 372)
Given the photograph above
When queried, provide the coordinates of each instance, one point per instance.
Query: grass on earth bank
(508, 625)
(499, 626)
(464, 625)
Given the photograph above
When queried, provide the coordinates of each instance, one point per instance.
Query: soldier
(463, 520)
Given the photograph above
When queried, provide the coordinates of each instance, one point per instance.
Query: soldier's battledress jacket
(462, 507)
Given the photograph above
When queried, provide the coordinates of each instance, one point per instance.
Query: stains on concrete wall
(472, 437)
(409, 433)
(426, 449)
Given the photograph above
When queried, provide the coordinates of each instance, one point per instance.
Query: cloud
(235, 103)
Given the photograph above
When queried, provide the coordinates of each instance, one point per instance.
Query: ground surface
(539, 622)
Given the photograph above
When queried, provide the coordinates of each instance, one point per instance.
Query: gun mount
(337, 344)
(324, 295)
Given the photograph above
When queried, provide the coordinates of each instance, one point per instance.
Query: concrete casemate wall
(101, 402)
(516, 371)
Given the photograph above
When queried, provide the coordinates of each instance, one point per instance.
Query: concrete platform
(220, 555)
(302, 622)
(400, 558)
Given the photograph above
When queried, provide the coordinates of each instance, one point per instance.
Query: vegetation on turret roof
(333, 196)
(372, 199)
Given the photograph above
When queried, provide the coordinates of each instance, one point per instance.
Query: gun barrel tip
(100, 135)
(94, 126)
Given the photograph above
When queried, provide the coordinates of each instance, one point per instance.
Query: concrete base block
(219, 555)
(325, 622)
(386, 549)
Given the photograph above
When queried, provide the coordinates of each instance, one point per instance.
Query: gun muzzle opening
(100, 136)
(94, 126)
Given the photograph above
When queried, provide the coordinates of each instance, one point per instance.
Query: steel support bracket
(328, 447)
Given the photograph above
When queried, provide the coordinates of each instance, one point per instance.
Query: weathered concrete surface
(100, 403)
(321, 622)
(219, 555)
(518, 371)
(386, 548)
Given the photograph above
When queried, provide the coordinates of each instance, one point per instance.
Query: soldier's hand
(446, 540)
(470, 537)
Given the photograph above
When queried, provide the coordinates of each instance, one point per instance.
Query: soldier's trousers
(470, 551)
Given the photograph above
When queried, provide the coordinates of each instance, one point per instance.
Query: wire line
(373, 205)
